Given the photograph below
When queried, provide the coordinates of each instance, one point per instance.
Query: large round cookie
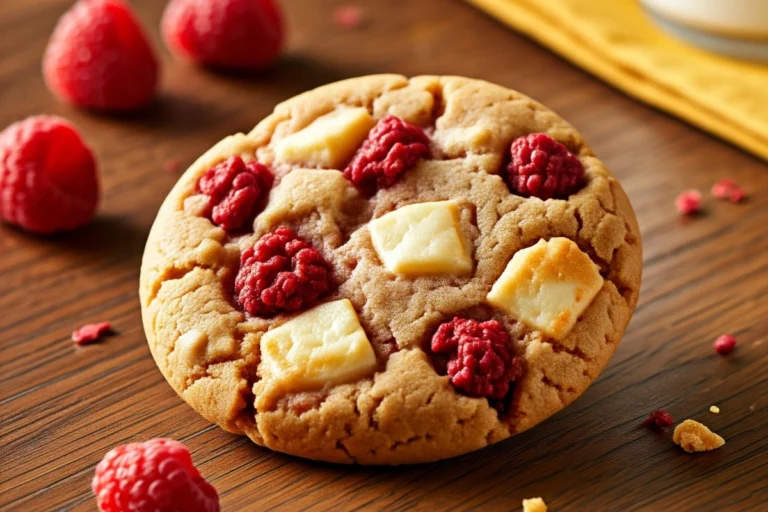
(406, 332)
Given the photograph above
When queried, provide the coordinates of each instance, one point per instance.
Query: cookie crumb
(688, 202)
(658, 420)
(692, 437)
(172, 166)
(348, 17)
(728, 189)
(534, 505)
(714, 409)
(91, 332)
(725, 344)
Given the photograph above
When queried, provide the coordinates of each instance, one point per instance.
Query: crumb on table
(714, 409)
(534, 505)
(692, 437)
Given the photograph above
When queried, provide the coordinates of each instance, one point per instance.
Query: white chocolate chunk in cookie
(421, 239)
(325, 345)
(547, 286)
(329, 141)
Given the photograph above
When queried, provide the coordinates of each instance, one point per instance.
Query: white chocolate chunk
(325, 345)
(547, 286)
(421, 239)
(329, 141)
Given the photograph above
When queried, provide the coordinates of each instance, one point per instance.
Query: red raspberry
(728, 189)
(155, 475)
(658, 420)
(543, 167)
(688, 202)
(91, 332)
(98, 57)
(282, 272)
(245, 34)
(481, 361)
(48, 178)
(725, 344)
(235, 189)
(392, 147)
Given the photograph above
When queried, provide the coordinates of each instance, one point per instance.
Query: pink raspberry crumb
(658, 420)
(91, 332)
(688, 202)
(155, 475)
(725, 344)
(728, 189)
(543, 167)
(172, 166)
(348, 17)
(481, 361)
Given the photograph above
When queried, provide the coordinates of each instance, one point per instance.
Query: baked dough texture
(404, 411)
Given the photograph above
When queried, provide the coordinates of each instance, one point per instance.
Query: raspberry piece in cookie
(543, 167)
(481, 361)
(392, 147)
(154, 475)
(281, 273)
(48, 178)
(98, 57)
(235, 188)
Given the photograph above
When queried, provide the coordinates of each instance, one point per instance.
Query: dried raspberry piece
(91, 332)
(725, 344)
(98, 57)
(281, 272)
(728, 189)
(392, 147)
(234, 189)
(543, 167)
(348, 17)
(688, 202)
(658, 420)
(172, 166)
(481, 361)
(243, 34)
(155, 475)
(48, 178)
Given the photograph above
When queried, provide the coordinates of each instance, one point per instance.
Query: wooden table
(64, 406)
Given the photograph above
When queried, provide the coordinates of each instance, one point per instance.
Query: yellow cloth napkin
(615, 40)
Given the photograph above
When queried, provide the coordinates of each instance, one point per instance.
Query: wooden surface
(63, 407)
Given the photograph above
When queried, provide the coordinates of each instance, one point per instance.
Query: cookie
(389, 270)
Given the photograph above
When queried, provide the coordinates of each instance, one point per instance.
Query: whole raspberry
(392, 147)
(156, 475)
(235, 189)
(728, 189)
(280, 273)
(481, 361)
(543, 167)
(98, 57)
(658, 420)
(48, 178)
(688, 202)
(245, 34)
(725, 344)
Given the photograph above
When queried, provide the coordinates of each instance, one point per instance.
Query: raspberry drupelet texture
(48, 177)
(658, 420)
(542, 167)
(156, 475)
(392, 147)
(281, 272)
(235, 188)
(481, 361)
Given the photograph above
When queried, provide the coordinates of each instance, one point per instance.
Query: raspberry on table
(348, 17)
(392, 147)
(688, 202)
(156, 475)
(280, 273)
(728, 189)
(91, 332)
(234, 189)
(481, 361)
(48, 176)
(245, 34)
(725, 344)
(542, 167)
(99, 57)
(658, 420)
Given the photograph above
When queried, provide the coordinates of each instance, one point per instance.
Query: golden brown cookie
(377, 274)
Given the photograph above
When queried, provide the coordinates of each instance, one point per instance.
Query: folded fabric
(615, 40)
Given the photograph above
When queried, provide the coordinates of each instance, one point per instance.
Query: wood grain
(63, 406)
